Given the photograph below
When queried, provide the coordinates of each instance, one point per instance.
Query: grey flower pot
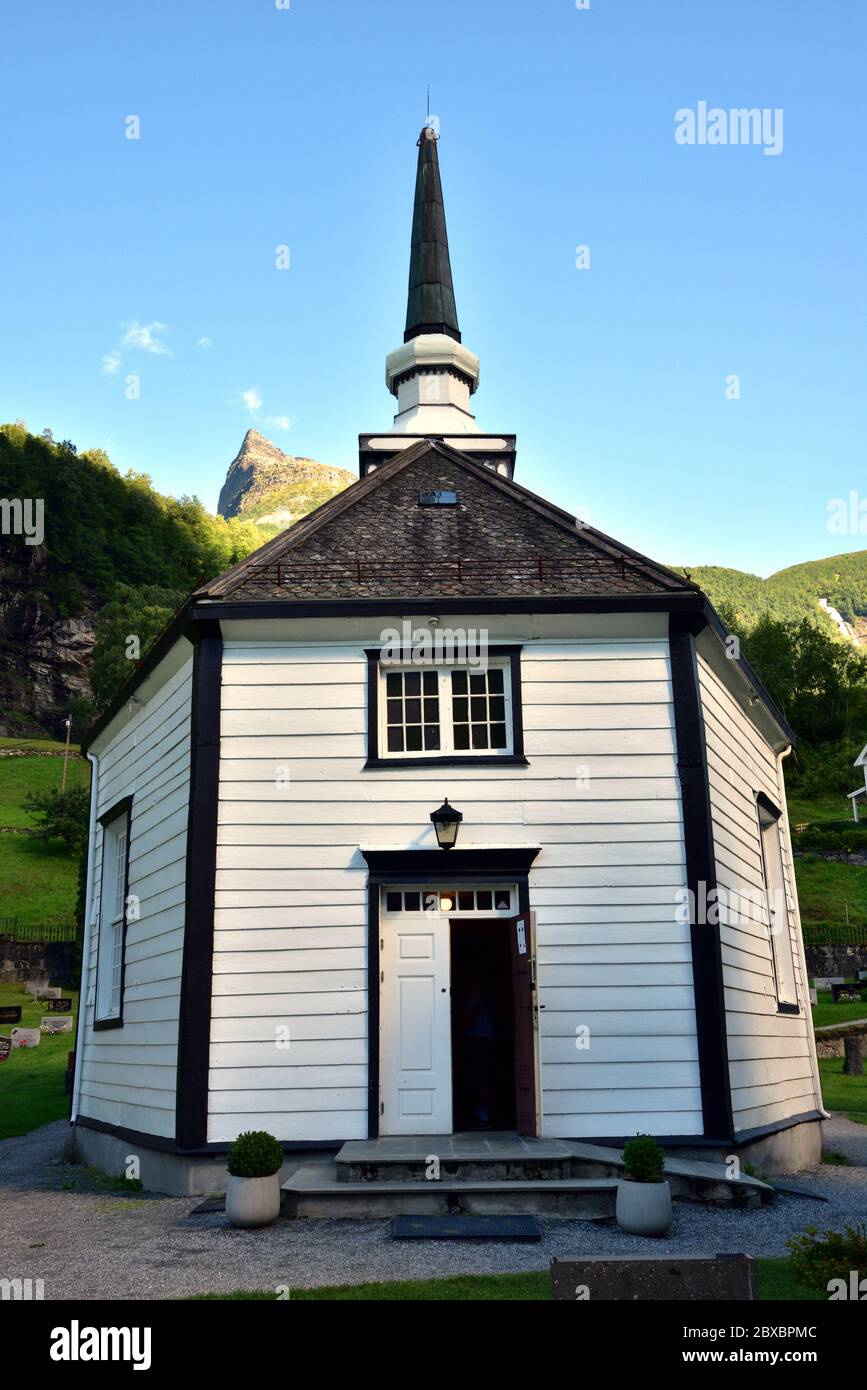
(253, 1201)
(643, 1208)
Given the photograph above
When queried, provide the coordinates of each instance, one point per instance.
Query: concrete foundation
(772, 1155)
(177, 1175)
(787, 1151)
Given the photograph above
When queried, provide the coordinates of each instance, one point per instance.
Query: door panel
(524, 1012)
(415, 1046)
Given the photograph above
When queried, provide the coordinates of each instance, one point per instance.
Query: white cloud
(279, 422)
(203, 342)
(252, 400)
(144, 336)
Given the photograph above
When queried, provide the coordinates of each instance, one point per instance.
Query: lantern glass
(446, 822)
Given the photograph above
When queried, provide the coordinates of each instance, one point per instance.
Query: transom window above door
(462, 901)
(449, 713)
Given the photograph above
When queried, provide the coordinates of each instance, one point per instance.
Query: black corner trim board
(516, 758)
(421, 866)
(120, 808)
(701, 882)
(194, 1032)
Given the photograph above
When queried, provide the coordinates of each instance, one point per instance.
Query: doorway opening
(482, 1026)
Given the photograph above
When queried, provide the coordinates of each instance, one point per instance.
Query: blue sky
(263, 127)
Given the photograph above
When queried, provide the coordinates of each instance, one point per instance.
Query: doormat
(523, 1229)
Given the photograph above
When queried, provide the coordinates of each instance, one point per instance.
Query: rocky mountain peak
(266, 485)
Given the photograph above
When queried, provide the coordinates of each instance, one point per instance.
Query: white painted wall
(129, 1073)
(771, 1058)
(601, 795)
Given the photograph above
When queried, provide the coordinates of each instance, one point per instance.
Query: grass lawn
(37, 879)
(31, 1079)
(18, 776)
(825, 808)
(846, 1093)
(49, 744)
(826, 888)
(775, 1282)
(826, 1012)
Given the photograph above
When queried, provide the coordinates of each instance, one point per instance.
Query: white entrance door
(416, 1048)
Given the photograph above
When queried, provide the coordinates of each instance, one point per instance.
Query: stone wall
(827, 961)
(50, 961)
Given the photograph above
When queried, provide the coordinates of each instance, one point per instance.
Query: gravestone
(10, 1013)
(853, 1063)
(638, 1278)
(5, 1048)
(59, 1006)
(826, 982)
(847, 994)
(862, 974)
(56, 1025)
(48, 992)
(36, 986)
(26, 1037)
(814, 996)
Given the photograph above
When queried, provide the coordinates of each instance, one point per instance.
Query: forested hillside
(790, 594)
(112, 546)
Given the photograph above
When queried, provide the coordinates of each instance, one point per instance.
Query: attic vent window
(441, 498)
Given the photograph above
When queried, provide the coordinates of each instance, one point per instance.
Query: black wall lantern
(445, 822)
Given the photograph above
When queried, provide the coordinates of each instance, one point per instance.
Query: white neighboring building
(274, 938)
(860, 792)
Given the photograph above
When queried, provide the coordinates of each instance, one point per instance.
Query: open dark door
(524, 1014)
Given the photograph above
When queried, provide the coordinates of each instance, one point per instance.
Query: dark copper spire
(431, 301)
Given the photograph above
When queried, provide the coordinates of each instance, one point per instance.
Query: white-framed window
(445, 710)
(112, 916)
(779, 927)
(463, 901)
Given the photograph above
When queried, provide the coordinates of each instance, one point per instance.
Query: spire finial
(431, 300)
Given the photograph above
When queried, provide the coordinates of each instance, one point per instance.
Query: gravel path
(846, 1137)
(89, 1243)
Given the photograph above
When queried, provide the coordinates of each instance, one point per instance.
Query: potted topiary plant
(643, 1195)
(253, 1191)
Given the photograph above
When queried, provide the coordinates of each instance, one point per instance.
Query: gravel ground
(89, 1243)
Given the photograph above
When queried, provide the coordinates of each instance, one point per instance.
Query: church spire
(432, 374)
(431, 300)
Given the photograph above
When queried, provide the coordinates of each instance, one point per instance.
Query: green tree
(61, 815)
(125, 628)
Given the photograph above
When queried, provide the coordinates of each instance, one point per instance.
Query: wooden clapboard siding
(129, 1073)
(770, 1054)
(600, 794)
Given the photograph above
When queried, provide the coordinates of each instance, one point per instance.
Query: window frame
(508, 656)
(769, 818)
(109, 918)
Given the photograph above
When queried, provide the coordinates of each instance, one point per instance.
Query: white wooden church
(441, 813)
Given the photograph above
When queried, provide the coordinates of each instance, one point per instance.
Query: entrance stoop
(497, 1174)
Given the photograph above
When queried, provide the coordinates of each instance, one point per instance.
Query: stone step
(461, 1158)
(467, 1159)
(315, 1190)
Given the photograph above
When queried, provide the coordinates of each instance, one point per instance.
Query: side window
(112, 915)
(777, 905)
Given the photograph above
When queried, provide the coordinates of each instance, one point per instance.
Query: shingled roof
(375, 540)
